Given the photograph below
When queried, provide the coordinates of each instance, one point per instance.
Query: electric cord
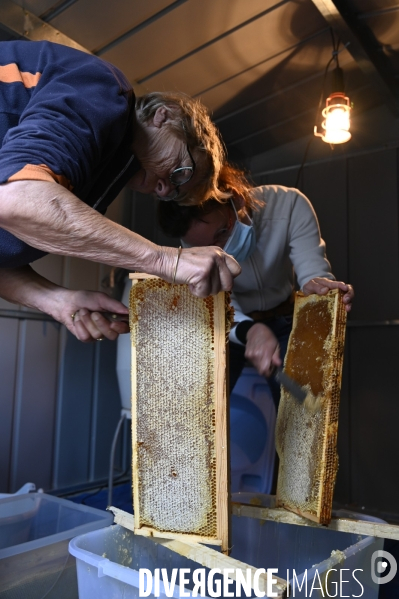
(104, 486)
(335, 52)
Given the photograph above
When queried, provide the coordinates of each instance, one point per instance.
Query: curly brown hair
(175, 219)
(196, 129)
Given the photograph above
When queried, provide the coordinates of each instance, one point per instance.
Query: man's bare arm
(49, 217)
(26, 287)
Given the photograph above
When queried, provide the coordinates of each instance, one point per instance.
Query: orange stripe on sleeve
(10, 73)
(40, 172)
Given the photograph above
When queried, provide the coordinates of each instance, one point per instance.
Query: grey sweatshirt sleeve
(307, 248)
(239, 316)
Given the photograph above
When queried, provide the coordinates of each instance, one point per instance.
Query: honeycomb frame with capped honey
(179, 412)
(306, 434)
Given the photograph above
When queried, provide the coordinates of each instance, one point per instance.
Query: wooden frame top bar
(360, 527)
(141, 275)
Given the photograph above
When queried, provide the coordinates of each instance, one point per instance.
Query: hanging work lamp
(336, 114)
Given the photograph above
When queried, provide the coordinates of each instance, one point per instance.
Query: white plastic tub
(35, 530)
(108, 560)
(108, 563)
(266, 544)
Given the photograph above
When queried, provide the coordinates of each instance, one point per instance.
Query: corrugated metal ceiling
(257, 64)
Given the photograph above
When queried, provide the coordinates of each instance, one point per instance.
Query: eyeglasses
(179, 177)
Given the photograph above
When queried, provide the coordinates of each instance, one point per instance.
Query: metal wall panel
(373, 233)
(286, 177)
(4, 305)
(88, 410)
(28, 368)
(72, 450)
(144, 220)
(82, 274)
(51, 267)
(374, 417)
(144, 210)
(34, 407)
(8, 362)
(106, 409)
(325, 186)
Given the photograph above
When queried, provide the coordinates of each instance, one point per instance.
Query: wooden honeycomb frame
(180, 470)
(306, 434)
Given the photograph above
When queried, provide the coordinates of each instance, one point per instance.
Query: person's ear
(162, 115)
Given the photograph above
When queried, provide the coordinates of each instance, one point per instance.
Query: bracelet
(177, 262)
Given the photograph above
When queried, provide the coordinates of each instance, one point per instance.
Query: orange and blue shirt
(66, 116)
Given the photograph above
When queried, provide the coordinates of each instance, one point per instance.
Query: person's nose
(164, 188)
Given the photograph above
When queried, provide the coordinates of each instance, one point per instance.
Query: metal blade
(112, 317)
(296, 390)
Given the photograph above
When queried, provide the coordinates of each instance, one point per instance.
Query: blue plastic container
(252, 423)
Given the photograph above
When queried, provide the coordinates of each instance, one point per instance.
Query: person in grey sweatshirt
(273, 233)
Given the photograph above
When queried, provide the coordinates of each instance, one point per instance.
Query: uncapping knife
(296, 390)
(112, 317)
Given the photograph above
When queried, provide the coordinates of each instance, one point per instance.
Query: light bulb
(336, 122)
(336, 126)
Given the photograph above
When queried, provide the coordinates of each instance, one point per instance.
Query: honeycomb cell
(306, 434)
(174, 406)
